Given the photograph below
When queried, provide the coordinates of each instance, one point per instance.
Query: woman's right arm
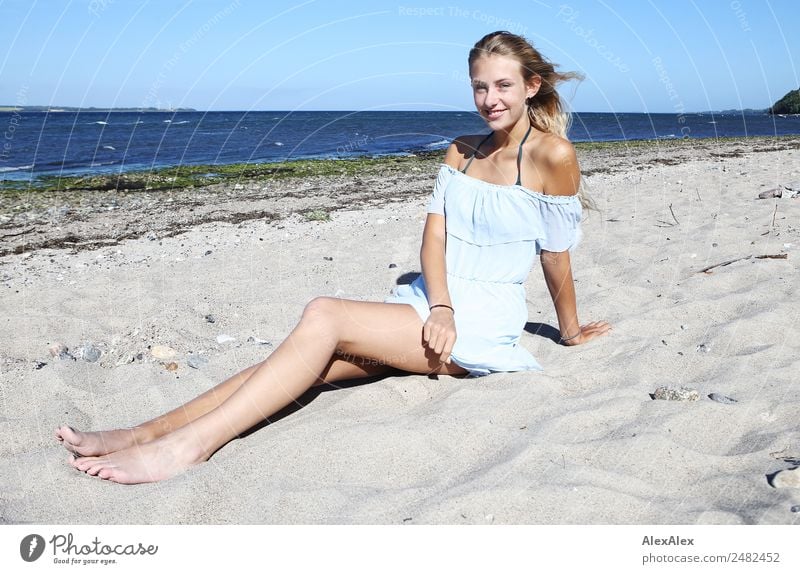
(439, 331)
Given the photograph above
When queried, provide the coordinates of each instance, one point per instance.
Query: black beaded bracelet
(562, 339)
(442, 305)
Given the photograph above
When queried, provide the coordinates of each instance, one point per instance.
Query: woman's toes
(84, 462)
(97, 467)
(106, 473)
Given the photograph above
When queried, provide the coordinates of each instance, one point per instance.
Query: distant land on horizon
(4, 108)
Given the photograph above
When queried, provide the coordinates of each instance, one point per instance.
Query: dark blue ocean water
(33, 144)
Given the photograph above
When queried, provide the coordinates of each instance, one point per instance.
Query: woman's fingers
(595, 329)
(439, 339)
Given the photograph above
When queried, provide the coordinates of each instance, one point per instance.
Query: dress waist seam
(449, 274)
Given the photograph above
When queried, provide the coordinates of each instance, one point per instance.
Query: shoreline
(93, 212)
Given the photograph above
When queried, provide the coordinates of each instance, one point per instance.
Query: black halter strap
(476, 151)
(519, 155)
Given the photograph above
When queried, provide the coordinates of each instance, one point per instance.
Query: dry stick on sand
(772, 227)
(23, 232)
(724, 263)
(673, 215)
(667, 223)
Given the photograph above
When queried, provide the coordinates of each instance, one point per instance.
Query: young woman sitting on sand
(462, 316)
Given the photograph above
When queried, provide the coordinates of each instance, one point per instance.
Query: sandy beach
(221, 275)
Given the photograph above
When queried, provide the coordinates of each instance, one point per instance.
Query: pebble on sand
(196, 361)
(725, 400)
(89, 353)
(60, 351)
(789, 478)
(676, 394)
(163, 352)
(223, 338)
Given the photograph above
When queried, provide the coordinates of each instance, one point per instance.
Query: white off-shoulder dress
(494, 233)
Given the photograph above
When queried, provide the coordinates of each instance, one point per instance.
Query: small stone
(163, 352)
(789, 478)
(171, 366)
(208, 252)
(223, 338)
(490, 518)
(39, 364)
(703, 348)
(58, 350)
(211, 319)
(795, 508)
(683, 327)
(89, 353)
(197, 361)
(125, 359)
(722, 399)
(392, 266)
(676, 394)
(328, 258)
(258, 341)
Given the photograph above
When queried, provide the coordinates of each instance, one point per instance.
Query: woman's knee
(318, 307)
(320, 313)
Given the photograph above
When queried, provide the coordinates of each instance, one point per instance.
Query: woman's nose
(492, 96)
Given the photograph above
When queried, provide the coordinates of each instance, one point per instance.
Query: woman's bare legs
(105, 442)
(386, 333)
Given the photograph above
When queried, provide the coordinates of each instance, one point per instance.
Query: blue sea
(36, 144)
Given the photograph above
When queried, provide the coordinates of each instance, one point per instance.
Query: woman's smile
(494, 114)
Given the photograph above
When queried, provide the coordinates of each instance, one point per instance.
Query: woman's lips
(493, 115)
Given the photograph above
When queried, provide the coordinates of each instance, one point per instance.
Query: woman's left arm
(558, 276)
(563, 178)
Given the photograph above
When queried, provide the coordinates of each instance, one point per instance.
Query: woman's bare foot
(96, 443)
(160, 459)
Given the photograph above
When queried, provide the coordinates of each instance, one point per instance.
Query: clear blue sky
(638, 56)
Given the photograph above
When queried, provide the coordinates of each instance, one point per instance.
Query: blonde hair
(546, 109)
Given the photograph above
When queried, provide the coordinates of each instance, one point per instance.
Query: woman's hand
(439, 332)
(588, 332)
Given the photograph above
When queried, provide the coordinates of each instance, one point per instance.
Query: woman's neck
(513, 137)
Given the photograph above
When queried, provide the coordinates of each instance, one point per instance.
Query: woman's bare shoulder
(555, 150)
(561, 175)
(461, 148)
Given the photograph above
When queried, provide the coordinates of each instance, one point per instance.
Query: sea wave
(440, 144)
(15, 168)
(100, 123)
(111, 147)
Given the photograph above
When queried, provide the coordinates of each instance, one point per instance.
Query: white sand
(581, 443)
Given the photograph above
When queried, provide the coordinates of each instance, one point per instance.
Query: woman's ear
(533, 86)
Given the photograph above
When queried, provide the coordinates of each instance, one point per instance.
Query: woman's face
(499, 90)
